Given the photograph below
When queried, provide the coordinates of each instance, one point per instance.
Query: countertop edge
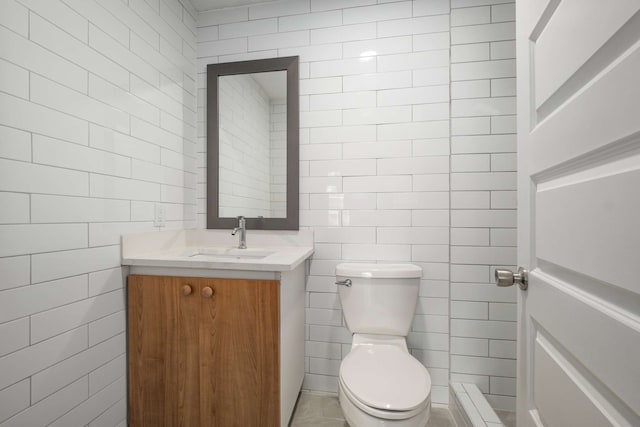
(162, 260)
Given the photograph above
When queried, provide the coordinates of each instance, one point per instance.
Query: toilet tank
(381, 299)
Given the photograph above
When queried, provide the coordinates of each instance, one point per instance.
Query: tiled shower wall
(386, 176)
(97, 126)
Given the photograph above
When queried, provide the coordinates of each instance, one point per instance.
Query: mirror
(252, 144)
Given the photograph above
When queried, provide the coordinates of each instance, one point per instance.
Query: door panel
(160, 353)
(602, 115)
(575, 221)
(578, 212)
(578, 28)
(187, 373)
(555, 376)
(242, 358)
(597, 339)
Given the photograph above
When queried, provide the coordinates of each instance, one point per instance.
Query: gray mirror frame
(290, 65)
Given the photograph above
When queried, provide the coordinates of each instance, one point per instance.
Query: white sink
(228, 253)
(217, 250)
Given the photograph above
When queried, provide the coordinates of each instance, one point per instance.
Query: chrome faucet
(242, 228)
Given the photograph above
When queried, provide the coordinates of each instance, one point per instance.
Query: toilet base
(358, 418)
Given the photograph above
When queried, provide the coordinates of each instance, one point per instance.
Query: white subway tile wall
(483, 184)
(374, 150)
(407, 154)
(97, 125)
(378, 183)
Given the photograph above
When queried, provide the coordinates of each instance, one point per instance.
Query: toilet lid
(385, 377)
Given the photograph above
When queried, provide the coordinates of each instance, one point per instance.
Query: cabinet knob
(207, 292)
(186, 290)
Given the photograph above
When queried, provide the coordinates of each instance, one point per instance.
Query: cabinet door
(163, 315)
(203, 352)
(239, 354)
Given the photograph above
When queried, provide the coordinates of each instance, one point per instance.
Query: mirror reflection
(253, 145)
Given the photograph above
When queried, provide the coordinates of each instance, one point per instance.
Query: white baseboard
(470, 408)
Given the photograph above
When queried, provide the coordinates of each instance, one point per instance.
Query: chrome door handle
(508, 278)
(346, 282)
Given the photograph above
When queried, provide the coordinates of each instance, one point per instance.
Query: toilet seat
(385, 381)
(380, 413)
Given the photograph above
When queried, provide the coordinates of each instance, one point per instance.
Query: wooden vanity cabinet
(203, 352)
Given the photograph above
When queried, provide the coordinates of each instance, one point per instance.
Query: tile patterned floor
(322, 410)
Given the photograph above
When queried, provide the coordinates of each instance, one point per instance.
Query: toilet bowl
(380, 383)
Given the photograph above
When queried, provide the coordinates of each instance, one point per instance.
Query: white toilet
(381, 384)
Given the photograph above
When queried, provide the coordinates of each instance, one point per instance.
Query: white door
(579, 212)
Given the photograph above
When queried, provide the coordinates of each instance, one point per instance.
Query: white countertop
(193, 249)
